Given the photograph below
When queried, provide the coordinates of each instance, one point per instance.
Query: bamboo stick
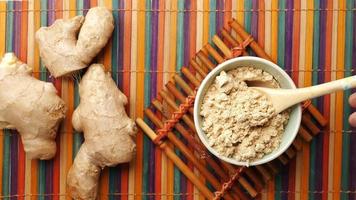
(187, 153)
(283, 159)
(304, 134)
(290, 152)
(205, 60)
(297, 143)
(306, 120)
(252, 174)
(182, 96)
(264, 172)
(176, 160)
(186, 88)
(175, 92)
(226, 35)
(317, 115)
(172, 104)
(200, 69)
(222, 46)
(241, 179)
(273, 167)
(254, 46)
(190, 77)
(219, 59)
(217, 169)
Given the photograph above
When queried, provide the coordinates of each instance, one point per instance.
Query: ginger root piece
(31, 106)
(108, 132)
(64, 52)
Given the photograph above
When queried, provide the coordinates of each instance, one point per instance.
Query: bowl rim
(199, 96)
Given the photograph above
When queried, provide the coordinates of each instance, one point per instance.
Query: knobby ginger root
(64, 51)
(31, 106)
(108, 132)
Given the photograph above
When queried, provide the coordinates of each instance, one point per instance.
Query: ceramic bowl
(291, 129)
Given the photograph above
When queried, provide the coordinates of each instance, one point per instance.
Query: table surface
(314, 41)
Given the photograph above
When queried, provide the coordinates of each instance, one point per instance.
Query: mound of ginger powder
(240, 122)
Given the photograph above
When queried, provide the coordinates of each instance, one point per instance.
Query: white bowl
(291, 129)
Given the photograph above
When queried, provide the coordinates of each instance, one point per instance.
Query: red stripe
(328, 47)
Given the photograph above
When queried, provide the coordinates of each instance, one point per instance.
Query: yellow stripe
(140, 92)
(2, 27)
(240, 12)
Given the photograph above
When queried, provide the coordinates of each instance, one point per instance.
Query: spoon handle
(327, 88)
(287, 98)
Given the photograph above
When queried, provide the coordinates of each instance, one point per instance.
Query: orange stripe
(23, 57)
(205, 22)
(140, 94)
(274, 31)
(93, 3)
(69, 129)
(228, 13)
(172, 67)
(104, 184)
(261, 23)
(296, 40)
(2, 27)
(339, 115)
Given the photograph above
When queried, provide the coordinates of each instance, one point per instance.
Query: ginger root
(64, 51)
(108, 132)
(31, 106)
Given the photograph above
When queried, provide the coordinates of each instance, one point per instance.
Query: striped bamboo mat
(313, 40)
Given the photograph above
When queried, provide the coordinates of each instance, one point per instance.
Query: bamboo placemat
(312, 40)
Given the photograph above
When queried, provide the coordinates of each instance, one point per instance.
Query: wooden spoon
(285, 98)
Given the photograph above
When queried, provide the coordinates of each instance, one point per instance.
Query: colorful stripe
(314, 41)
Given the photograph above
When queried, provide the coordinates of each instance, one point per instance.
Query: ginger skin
(31, 106)
(108, 132)
(64, 51)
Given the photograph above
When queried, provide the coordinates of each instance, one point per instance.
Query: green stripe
(6, 164)
(281, 33)
(280, 61)
(114, 171)
(146, 140)
(6, 140)
(348, 67)
(9, 26)
(315, 65)
(77, 136)
(114, 49)
(179, 64)
(43, 76)
(248, 15)
(212, 20)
